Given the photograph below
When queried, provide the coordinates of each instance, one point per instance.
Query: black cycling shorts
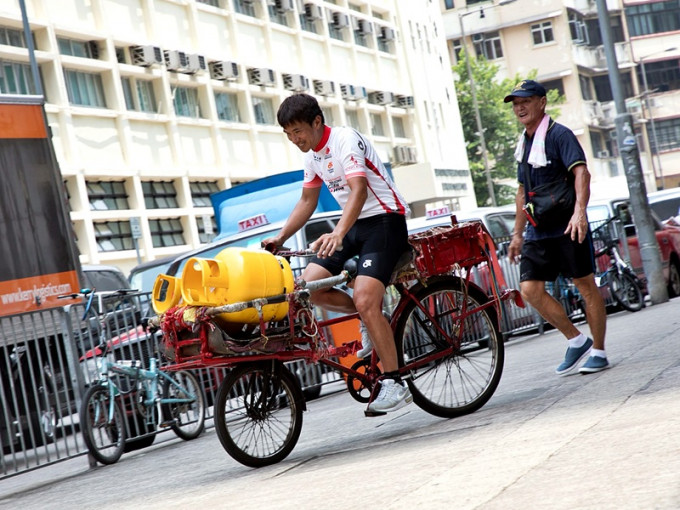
(545, 259)
(378, 240)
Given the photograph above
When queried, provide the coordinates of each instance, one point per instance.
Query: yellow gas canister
(236, 275)
(167, 292)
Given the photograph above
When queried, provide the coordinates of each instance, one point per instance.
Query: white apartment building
(562, 41)
(155, 104)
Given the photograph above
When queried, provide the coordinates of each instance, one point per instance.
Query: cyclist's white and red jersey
(343, 153)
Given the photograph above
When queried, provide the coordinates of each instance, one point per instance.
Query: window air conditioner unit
(295, 82)
(146, 56)
(603, 154)
(340, 20)
(365, 27)
(352, 92)
(381, 98)
(405, 101)
(194, 63)
(175, 60)
(223, 70)
(400, 154)
(387, 34)
(285, 5)
(324, 87)
(411, 155)
(261, 76)
(313, 11)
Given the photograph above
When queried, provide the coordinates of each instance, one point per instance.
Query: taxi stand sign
(252, 222)
(437, 212)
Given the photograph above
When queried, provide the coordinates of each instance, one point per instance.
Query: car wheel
(674, 279)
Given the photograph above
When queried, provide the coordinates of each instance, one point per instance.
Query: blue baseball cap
(526, 88)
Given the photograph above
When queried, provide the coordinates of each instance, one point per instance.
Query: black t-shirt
(563, 152)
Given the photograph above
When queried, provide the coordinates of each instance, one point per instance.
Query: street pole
(475, 106)
(627, 144)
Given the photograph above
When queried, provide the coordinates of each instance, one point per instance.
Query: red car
(667, 235)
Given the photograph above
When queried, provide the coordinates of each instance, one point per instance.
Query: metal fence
(47, 360)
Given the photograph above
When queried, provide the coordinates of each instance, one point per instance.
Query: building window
(398, 126)
(577, 29)
(16, 78)
(335, 32)
(107, 195)
(214, 3)
(667, 135)
(244, 7)
(542, 33)
(159, 194)
(488, 45)
(167, 232)
(353, 119)
(113, 235)
(186, 102)
(448, 4)
(308, 25)
(139, 95)
(204, 237)
(554, 84)
(360, 39)
(227, 107)
(84, 89)
(329, 120)
(662, 76)
(653, 18)
(84, 49)
(12, 37)
(201, 191)
(454, 186)
(263, 110)
(277, 16)
(377, 125)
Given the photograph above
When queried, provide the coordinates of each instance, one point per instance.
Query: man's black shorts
(378, 240)
(544, 259)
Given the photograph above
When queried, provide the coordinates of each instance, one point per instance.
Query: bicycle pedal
(373, 414)
(167, 423)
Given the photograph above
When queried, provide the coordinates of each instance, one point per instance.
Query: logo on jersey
(328, 154)
(330, 168)
(362, 146)
(367, 263)
(336, 184)
(317, 158)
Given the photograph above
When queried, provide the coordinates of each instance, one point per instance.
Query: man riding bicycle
(372, 226)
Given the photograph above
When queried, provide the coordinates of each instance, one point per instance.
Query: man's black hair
(298, 108)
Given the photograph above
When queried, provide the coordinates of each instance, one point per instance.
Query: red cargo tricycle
(449, 346)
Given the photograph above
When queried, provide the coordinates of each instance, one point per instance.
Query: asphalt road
(607, 440)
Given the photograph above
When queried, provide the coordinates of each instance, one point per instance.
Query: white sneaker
(392, 396)
(366, 343)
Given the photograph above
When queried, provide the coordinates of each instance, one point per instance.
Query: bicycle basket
(440, 249)
(604, 236)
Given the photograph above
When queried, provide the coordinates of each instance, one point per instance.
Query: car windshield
(145, 279)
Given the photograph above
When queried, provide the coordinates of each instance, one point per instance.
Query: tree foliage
(501, 128)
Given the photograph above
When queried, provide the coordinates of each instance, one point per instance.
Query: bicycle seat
(351, 266)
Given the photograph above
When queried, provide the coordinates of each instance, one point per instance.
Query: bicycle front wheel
(626, 291)
(258, 413)
(457, 360)
(103, 425)
(187, 418)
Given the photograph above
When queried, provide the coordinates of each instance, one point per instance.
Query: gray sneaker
(393, 395)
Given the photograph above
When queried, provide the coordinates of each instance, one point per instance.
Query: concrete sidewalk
(600, 441)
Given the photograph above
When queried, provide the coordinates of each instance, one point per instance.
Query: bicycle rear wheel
(103, 430)
(258, 413)
(626, 291)
(466, 375)
(188, 418)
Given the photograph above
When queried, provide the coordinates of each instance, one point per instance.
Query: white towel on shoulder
(537, 153)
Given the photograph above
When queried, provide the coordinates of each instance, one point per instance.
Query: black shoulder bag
(550, 204)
